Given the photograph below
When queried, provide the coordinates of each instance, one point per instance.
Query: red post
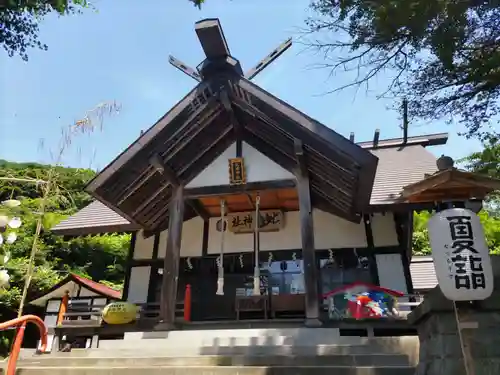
(20, 324)
(187, 303)
(62, 308)
(16, 348)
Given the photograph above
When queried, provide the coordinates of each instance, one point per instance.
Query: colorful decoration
(120, 313)
(362, 301)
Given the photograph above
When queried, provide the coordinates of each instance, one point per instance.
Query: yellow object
(120, 313)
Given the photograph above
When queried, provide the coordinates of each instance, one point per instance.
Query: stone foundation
(440, 349)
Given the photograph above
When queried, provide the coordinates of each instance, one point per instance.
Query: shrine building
(331, 211)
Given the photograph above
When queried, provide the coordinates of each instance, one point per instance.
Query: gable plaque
(237, 175)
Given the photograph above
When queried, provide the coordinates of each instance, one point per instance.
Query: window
(286, 277)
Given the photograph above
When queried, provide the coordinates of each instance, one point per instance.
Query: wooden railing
(92, 315)
(20, 325)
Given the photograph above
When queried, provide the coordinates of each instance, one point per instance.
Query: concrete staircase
(243, 352)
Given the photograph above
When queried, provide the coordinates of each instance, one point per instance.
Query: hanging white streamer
(189, 264)
(256, 273)
(270, 260)
(220, 278)
(241, 260)
(330, 256)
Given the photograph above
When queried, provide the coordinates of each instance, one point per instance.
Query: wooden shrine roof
(450, 184)
(209, 119)
(72, 283)
(399, 165)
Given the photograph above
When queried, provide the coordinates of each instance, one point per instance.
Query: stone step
(68, 360)
(232, 337)
(219, 370)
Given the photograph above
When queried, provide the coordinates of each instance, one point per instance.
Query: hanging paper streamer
(241, 260)
(270, 260)
(220, 278)
(330, 256)
(256, 273)
(189, 264)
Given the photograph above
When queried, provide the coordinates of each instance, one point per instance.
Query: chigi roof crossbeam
(218, 57)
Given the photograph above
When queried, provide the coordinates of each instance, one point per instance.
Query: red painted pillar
(187, 303)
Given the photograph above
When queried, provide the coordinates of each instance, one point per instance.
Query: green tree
(487, 162)
(19, 22)
(101, 258)
(443, 55)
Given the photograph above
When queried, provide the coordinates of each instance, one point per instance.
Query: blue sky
(120, 53)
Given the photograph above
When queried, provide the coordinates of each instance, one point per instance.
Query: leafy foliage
(19, 20)
(444, 54)
(487, 162)
(101, 258)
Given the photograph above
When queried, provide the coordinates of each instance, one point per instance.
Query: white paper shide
(460, 254)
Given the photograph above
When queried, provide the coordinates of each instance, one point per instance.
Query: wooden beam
(277, 52)
(226, 103)
(307, 236)
(203, 115)
(157, 162)
(207, 191)
(172, 258)
(212, 38)
(149, 135)
(184, 68)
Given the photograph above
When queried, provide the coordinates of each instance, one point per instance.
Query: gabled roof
(397, 167)
(73, 282)
(203, 124)
(450, 183)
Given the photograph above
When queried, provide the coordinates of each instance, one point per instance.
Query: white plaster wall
(258, 167)
(334, 232)
(53, 306)
(191, 240)
(139, 283)
(84, 292)
(329, 232)
(143, 248)
(391, 272)
(384, 230)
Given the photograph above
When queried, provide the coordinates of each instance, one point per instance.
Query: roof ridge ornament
(218, 57)
(445, 163)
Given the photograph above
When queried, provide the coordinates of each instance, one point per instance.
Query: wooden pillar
(172, 258)
(307, 235)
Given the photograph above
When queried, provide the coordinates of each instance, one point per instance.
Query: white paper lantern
(15, 223)
(4, 259)
(3, 220)
(4, 278)
(11, 238)
(460, 253)
(11, 203)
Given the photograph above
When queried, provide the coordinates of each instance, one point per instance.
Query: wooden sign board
(243, 222)
(237, 175)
